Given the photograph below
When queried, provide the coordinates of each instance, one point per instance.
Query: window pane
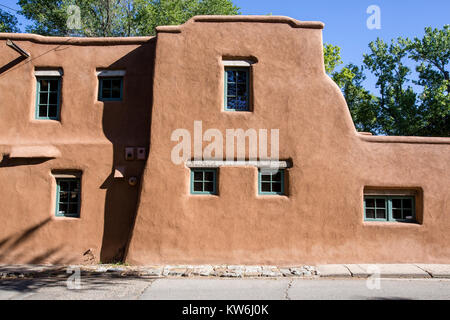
(397, 213)
(381, 203)
(72, 208)
(42, 111)
(198, 186)
(265, 177)
(209, 176)
(53, 85)
(241, 103)
(241, 89)
(64, 186)
(370, 213)
(62, 208)
(265, 187)
(52, 111)
(43, 98)
(397, 203)
(231, 103)
(53, 98)
(407, 203)
(231, 91)
(241, 76)
(198, 175)
(43, 85)
(407, 214)
(209, 186)
(277, 176)
(276, 187)
(63, 196)
(370, 203)
(381, 213)
(231, 78)
(106, 93)
(106, 84)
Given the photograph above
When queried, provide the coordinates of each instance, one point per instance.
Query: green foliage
(105, 18)
(399, 108)
(8, 23)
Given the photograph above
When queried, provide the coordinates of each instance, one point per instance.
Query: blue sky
(345, 20)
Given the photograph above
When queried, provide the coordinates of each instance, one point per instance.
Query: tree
(8, 22)
(117, 17)
(398, 113)
(433, 54)
(362, 105)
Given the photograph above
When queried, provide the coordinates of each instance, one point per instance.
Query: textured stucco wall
(90, 137)
(321, 219)
(170, 82)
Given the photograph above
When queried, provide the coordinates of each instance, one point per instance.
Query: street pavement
(106, 286)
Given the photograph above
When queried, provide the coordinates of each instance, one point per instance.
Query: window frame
(58, 190)
(100, 88)
(389, 213)
(272, 193)
(192, 180)
(247, 87)
(38, 98)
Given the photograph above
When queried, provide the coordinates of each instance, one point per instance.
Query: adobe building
(89, 129)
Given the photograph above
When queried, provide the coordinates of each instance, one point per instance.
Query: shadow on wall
(11, 248)
(126, 123)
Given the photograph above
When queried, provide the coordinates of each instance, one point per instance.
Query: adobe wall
(321, 219)
(90, 137)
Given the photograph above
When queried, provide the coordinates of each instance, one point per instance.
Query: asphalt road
(108, 287)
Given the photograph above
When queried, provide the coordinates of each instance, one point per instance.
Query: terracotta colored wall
(91, 137)
(321, 219)
(169, 83)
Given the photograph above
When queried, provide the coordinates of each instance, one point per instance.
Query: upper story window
(48, 94)
(237, 85)
(271, 182)
(110, 85)
(389, 208)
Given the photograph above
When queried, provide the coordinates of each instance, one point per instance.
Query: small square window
(68, 194)
(271, 181)
(110, 89)
(48, 98)
(203, 181)
(237, 89)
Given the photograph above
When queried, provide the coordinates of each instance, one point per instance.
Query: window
(389, 208)
(68, 193)
(271, 182)
(237, 97)
(204, 181)
(110, 89)
(48, 96)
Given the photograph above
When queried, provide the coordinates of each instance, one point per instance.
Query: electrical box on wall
(141, 153)
(129, 153)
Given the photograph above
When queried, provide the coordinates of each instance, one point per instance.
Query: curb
(331, 271)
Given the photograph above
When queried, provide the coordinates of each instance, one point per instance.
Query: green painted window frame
(47, 105)
(58, 202)
(389, 208)
(100, 88)
(203, 181)
(247, 86)
(282, 182)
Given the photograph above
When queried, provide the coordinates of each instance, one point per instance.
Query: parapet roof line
(83, 41)
(247, 18)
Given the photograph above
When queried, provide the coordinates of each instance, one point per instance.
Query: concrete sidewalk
(234, 271)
